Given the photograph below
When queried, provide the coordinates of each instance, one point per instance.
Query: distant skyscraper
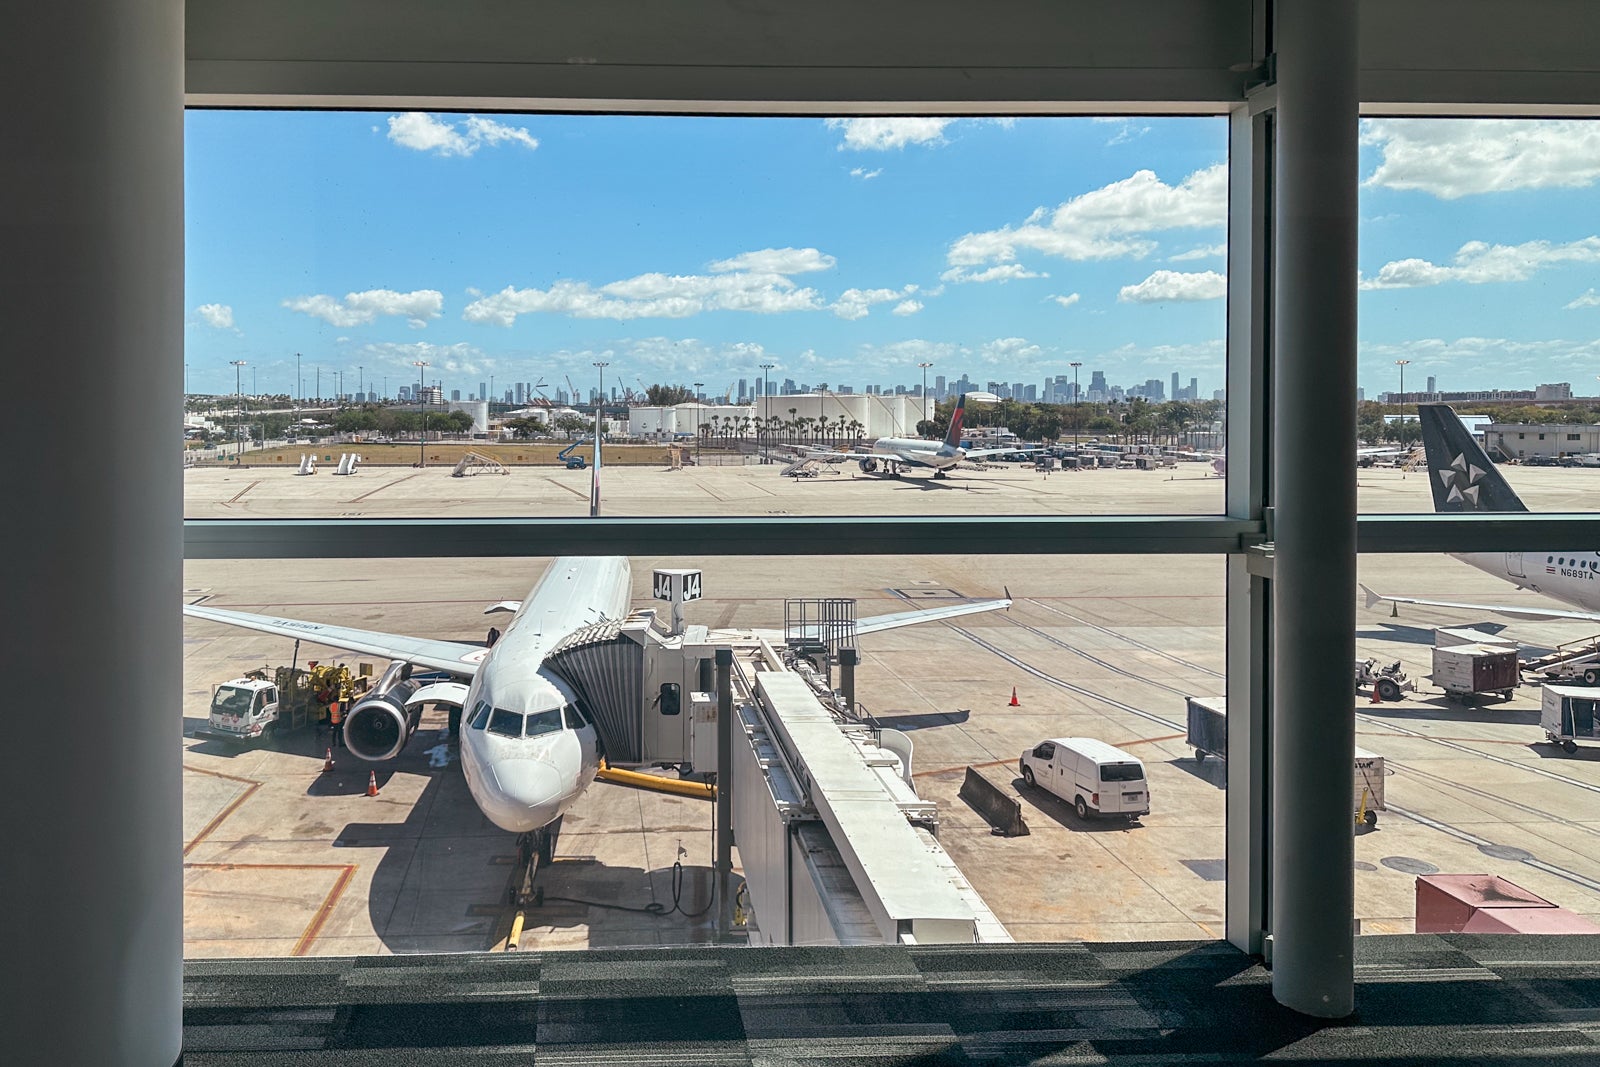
(744, 389)
(938, 387)
(520, 395)
(455, 396)
(1017, 389)
(1433, 384)
(1176, 394)
(483, 390)
(1194, 389)
(1097, 386)
(404, 393)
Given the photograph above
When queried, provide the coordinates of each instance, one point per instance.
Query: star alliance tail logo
(1461, 480)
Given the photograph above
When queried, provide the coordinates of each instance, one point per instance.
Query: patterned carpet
(1447, 999)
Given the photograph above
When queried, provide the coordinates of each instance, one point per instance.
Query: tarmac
(282, 859)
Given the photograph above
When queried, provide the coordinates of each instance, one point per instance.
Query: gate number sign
(677, 585)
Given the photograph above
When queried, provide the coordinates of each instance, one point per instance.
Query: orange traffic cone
(1015, 703)
(372, 783)
(1376, 699)
(327, 762)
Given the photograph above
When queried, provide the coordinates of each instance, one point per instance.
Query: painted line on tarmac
(1483, 842)
(313, 928)
(1531, 769)
(217, 820)
(379, 489)
(1141, 645)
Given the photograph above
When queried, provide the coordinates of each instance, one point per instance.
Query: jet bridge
(835, 844)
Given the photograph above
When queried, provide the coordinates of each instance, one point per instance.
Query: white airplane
(528, 748)
(1463, 480)
(896, 453)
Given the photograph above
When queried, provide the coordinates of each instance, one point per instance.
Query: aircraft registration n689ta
(894, 453)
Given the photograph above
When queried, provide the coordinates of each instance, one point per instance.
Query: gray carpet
(1450, 999)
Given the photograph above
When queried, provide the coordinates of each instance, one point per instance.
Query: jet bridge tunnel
(835, 845)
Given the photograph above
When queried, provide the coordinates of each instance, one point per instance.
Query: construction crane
(538, 387)
(574, 389)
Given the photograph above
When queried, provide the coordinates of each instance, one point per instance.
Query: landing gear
(940, 474)
(534, 849)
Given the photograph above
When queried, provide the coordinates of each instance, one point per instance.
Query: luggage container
(1208, 727)
(1367, 797)
(1466, 671)
(1568, 715)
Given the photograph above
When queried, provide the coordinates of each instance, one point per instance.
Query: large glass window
(769, 316)
(1479, 264)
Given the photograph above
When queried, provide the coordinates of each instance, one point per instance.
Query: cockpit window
(480, 715)
(505, 723)
(544, 722)
(570, 713)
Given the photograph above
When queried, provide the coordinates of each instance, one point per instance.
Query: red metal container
(1488, 904)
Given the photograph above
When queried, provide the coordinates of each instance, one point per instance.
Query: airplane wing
(839, 457)
(453, 656)
(877, 623)
(1374, 599)
(979, 453)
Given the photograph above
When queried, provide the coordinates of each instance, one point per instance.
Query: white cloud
(219, 316)
(459, 358)
(358, 309)
(1199, 355)
(1203, 252)
(1477, 263)
(1486, 360)
(880, 134)
(1068, 300)
(1589, 299)
(1000, 272)
(1452, 158)
(1166, 285)
(907, 307)
(1105, 223)
(856, 303)
(776, 261)
(427, 133)
(864, 174)
(1126, 129)
(754, 281)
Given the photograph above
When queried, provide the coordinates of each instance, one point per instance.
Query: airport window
(789, 332)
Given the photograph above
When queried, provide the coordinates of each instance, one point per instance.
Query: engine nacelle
(869, 465)
(379, 726)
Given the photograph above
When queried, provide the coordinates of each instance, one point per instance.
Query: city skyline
(844, 250)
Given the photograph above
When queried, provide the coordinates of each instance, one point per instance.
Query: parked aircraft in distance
(1463, 480)
(897, 453)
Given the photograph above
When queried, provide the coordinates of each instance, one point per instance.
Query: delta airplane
(528, 748)
(896, 453)
(1463, 480)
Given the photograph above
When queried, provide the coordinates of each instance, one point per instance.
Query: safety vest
(335, 713)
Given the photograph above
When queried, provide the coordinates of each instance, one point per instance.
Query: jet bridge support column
(1312, 898)
(91, 224)
(724, 858)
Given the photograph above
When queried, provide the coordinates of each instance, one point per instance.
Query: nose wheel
(534, 849)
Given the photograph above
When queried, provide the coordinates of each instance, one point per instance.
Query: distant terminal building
(1521, 440)
(874, 414)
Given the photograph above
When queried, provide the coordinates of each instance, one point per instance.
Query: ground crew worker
(336, 722)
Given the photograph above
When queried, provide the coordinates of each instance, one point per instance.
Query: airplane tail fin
(1460, 473)
(952, 438)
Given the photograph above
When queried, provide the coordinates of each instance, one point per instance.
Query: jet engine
(868, 466)
(379, 725)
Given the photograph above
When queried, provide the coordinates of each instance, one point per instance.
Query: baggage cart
(1569, 714)
(1208, 727)
(1467, 671)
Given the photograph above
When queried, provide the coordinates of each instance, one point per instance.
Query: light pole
(698, 411)
(766, 406)
(1075, 398)
(1401, 363)
(361, 382)
(926, 414)
(599, 408)
(238, 417)
(299, 382)
(422, 443)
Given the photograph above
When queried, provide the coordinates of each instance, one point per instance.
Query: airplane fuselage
(1570, 577)
(916, 452)
(526, 752)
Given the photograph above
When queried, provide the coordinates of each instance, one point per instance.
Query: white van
(1094, 777)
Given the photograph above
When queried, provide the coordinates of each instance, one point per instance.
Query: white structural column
(1312, 735)
(91, 230)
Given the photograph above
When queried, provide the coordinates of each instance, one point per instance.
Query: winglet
(1373, 599)
(1007, 588)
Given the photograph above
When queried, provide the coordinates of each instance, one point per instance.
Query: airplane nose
(528, 785)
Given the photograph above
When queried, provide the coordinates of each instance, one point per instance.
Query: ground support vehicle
(276, 700)
(1573, 663)
(1468, 671)
(1569, 714)
(1390, 681)
(1367, 796)
(1094, 777)
(1208, 727)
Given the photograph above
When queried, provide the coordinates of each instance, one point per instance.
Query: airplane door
(1514, 564)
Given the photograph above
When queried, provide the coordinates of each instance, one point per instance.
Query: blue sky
(845, 251)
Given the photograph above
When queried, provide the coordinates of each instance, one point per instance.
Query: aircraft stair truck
(574, 463)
